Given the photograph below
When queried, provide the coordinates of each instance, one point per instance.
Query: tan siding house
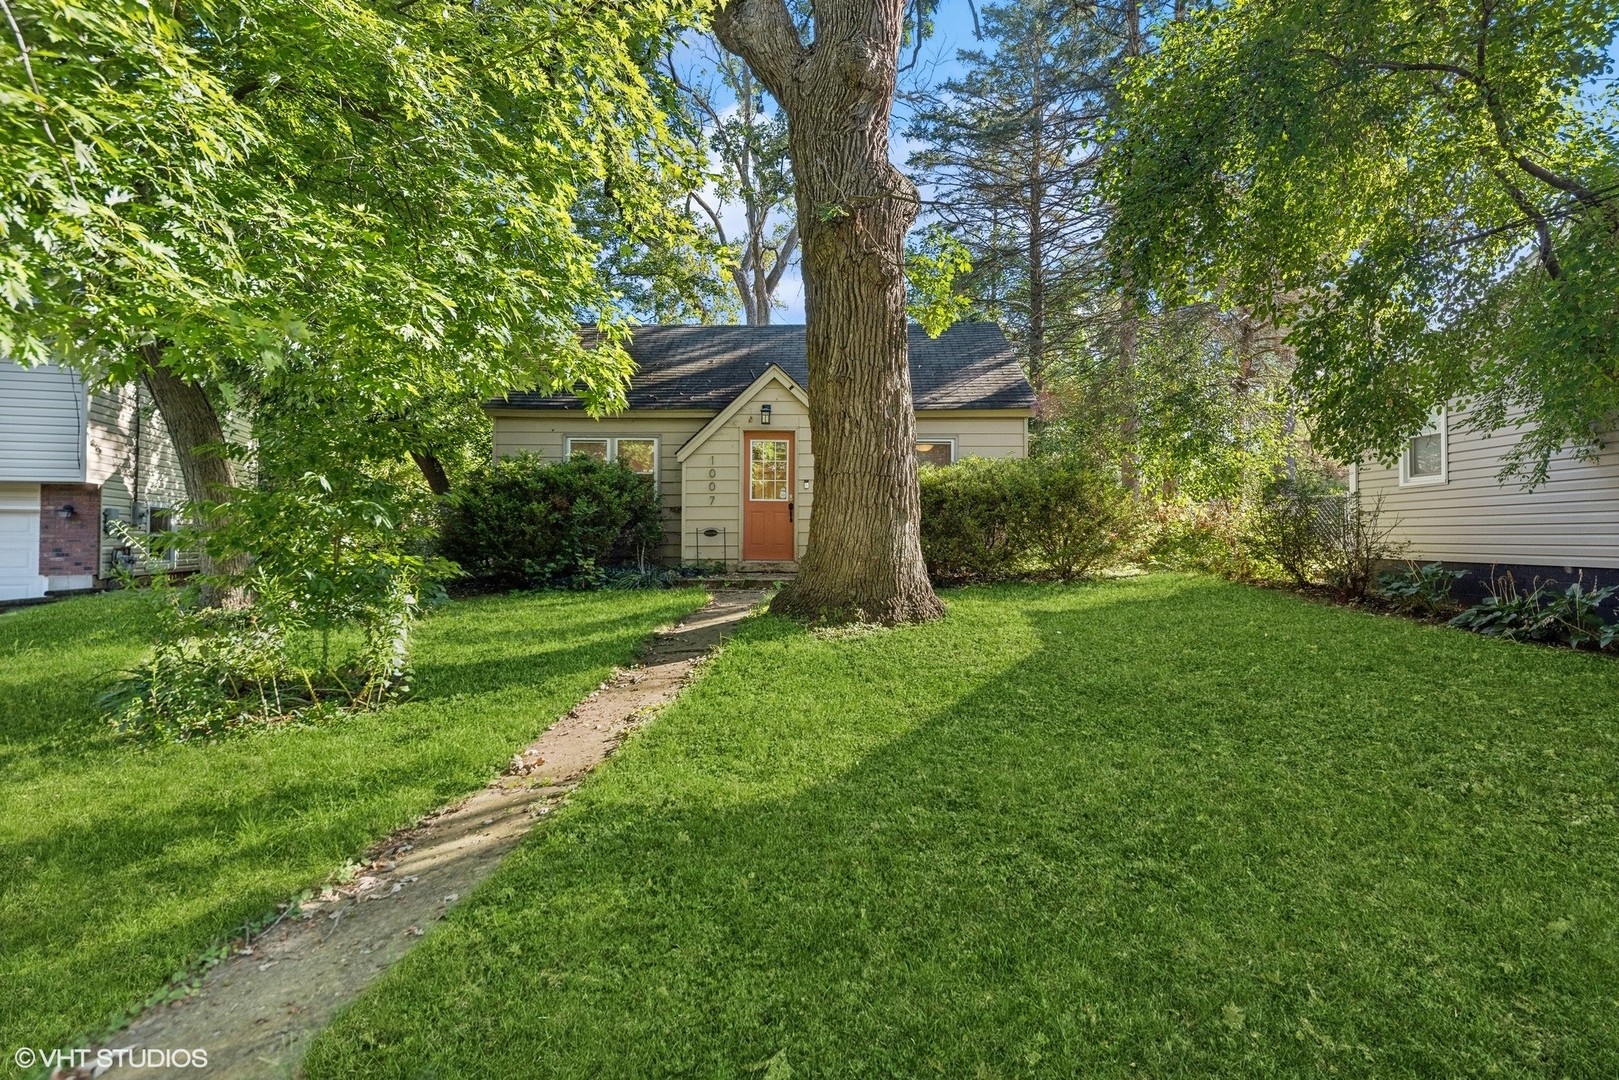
(1447, 505)
(719, 416)
(75, 465)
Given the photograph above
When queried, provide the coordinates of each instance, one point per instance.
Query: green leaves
(933, 262)
(1417, 191)
(115, 138)
(385, 193)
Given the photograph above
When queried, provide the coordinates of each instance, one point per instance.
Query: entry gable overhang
(772, 374)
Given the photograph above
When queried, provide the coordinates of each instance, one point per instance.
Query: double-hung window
(639, 453)
(1425, 460)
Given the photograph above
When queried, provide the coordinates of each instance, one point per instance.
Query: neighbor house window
(1424, 461)
(935, 451)
(160, 519)
(638, 454)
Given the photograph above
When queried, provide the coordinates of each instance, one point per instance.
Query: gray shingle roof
(969, 366)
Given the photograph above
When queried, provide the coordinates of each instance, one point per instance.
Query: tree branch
(712, 216)
(44, 111)
(762, 33)
(1543, 231)
(783, 257)
(1561, 183)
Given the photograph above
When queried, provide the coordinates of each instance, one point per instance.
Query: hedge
(990, 518)
(525, 521)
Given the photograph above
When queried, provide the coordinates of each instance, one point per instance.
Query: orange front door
(767, 496)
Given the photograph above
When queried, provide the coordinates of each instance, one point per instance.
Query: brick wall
(69, 546)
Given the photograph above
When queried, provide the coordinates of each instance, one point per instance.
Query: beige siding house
(77, 468)
(1446, 504)
(719, 417)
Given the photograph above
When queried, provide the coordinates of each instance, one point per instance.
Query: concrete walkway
(256, 1012)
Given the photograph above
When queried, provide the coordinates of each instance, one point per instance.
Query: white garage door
(19, 542)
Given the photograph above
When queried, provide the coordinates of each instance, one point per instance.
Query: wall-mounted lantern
(64, 512)
(764, 416)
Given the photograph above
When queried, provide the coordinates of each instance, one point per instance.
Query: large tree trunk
(192, 424)
(195, 432)
(864, 560)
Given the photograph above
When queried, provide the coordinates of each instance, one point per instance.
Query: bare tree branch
(783, 256)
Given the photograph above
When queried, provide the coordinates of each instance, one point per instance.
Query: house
(719, 418)
(77, 469)
(1444, 503)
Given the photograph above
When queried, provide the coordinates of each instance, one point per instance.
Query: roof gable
(969, 366)
(773, 374)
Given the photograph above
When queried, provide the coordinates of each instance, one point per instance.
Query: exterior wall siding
(714, 476)
(1571, 521)
(133, 459)
(978, 434)
(690, 505)
(545, 434)
(42, 414)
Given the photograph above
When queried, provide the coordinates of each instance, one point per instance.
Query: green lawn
(1155, 827)
(123, 863)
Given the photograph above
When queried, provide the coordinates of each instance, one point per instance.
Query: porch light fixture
(764, 416)
(64, 512)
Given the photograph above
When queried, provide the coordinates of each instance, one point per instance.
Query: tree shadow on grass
(1124, 854)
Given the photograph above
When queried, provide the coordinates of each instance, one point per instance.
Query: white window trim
(1442, 423)
(612, 448)
(951, 439)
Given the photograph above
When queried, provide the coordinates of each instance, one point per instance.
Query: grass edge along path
(126, 862)
(256, 1013)
(1163, 826)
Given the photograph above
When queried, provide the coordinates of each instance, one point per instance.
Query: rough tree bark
(864, 559)
(194, 428)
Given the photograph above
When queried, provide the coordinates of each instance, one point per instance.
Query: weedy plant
(1360, 542)
(1425, 589)
(323, 627)
(1294, 526)
(1572, 617)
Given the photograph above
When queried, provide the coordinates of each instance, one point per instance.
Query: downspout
(135, 495)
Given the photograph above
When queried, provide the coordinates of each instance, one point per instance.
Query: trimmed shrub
(968, 518)
(988, 518)
(524, 521)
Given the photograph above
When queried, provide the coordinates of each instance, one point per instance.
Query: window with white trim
(935, 451)
(1425, 460)
(639, 453)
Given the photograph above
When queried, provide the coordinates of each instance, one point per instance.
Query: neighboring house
(718, 417)
(76, 470)
(1446, 504)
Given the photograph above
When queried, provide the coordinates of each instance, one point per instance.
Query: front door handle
(790, 511)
